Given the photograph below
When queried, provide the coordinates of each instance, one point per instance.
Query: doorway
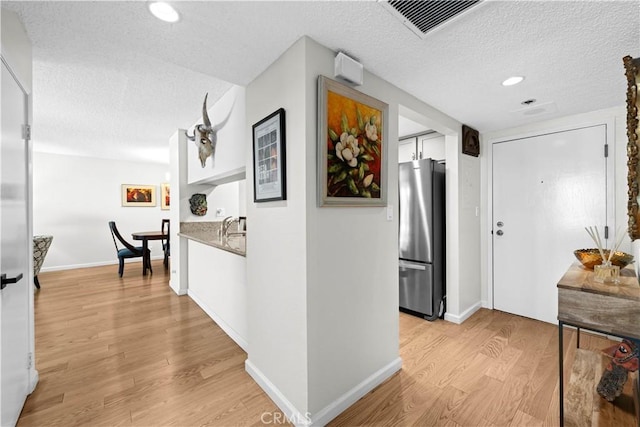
(546, 189)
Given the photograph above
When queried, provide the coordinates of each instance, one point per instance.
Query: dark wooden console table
(608, 309)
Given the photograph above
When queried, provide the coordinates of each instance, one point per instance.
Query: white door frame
(609, 122)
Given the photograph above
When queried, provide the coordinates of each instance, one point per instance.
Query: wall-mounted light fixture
(347, 68)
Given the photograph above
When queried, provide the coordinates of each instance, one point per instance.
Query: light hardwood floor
(130, 352)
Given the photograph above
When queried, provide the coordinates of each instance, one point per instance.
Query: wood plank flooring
(129, 351)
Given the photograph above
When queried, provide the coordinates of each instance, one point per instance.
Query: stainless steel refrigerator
(422, 238)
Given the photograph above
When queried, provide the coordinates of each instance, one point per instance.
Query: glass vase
(606, 272)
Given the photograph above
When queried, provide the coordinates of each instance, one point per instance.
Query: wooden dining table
(145, 236)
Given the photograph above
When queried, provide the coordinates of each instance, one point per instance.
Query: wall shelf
(223, 178)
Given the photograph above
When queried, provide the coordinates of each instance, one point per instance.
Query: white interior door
(546, 189)
(14, 298)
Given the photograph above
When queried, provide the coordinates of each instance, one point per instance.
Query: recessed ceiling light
(164, 11)
(512, 81)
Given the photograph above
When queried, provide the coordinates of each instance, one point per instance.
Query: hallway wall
(75, 197)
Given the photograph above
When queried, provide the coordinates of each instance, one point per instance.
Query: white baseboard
(335, 408)
(94, 264)
(221, 323)
(294, 416)
(34, 377)
(485, 304)
(458, 319)
(329, 412)
(178, 291)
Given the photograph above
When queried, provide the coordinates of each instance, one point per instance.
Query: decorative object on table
(198, 204)
(165, 197)
(624, 359)
(632, 71)
(470, 141)
(269, 158)
(352, 146)
(138, 195)
(591, 257)
(605, 272)
(206, 135)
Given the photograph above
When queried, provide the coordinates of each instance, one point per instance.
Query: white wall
(185, 168)
(230, 148)
(276, 237)
(224, 196)
(617, 148)
(74, 198)
(352, 276)
(218, 284)
(335, 270)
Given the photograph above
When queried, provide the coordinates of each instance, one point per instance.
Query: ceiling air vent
(422, 16)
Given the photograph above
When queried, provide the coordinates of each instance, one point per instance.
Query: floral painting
(352, 146)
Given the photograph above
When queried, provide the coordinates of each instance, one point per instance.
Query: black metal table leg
(145, 260)
(561, 367)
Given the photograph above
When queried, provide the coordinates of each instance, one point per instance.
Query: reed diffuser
(606, 272)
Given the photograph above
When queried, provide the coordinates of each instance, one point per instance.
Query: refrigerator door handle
(412, 266)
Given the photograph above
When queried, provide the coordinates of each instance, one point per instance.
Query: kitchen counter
(207, 233)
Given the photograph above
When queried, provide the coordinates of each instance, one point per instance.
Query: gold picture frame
(138, 195)
(165, 196)
(632, 71)
(352, 146)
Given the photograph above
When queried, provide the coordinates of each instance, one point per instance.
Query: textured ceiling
(110, 80)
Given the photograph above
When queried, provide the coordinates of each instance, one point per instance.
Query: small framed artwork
(269, 158)
(470, 141)
(165, 197)
(352, 146)
(138, 195)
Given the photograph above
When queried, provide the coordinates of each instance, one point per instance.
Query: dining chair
(129, 251)
(166, 246)
(40, 248)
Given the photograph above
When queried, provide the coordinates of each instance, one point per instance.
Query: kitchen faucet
(226, 223)
(225, 226)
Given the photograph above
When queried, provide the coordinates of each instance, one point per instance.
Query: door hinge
(606, 150)
(29, 360)
(26, 132)
(606, 231)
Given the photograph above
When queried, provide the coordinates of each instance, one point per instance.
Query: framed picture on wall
(269, 158)
(138, 195)
(165, 197)
(470, 141)
(352, 146)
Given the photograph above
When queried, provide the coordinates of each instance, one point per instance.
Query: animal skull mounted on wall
(205, 136)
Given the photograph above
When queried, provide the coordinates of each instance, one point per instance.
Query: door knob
(499, 232)
(4, 281)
